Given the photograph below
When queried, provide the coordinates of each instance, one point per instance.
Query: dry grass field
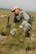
(16, 44)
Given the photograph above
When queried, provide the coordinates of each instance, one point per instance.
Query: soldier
(23, 17)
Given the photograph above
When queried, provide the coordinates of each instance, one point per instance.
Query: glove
(13, 31)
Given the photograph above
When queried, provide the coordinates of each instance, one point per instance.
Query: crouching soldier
(22, 18)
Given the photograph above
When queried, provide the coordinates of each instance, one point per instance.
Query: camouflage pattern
(24, 22)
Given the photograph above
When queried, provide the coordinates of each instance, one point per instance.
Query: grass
(15, 44)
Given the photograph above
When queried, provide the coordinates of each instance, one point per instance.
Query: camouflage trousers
(26, 27)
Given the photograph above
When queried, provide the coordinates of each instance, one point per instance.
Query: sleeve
(26, 16)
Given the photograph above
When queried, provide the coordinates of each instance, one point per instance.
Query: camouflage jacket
(21, 16)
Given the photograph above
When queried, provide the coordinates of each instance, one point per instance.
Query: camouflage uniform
(23, 19)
